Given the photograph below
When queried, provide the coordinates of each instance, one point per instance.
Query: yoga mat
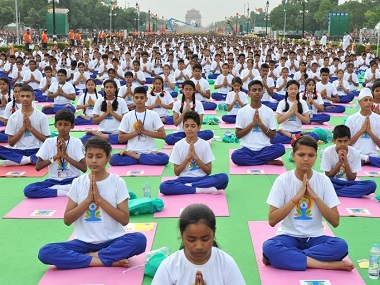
(2, 128)
(337, 114)
(174, 204)
(139, 169)
(170, 127)
(261, 231)
(133, 275)
(369, 171)
(168, 146)
(84, 128)
(324, 126)
(366, 206)
(44, 208)
(210, 112)
(42, 103)
(224, 125)
(257, 169)
(22, 171)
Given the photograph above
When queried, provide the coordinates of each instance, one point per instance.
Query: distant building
(193, 17)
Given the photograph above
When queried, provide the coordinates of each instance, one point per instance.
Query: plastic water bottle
(147, 190)
(374, 258)
(165, 250)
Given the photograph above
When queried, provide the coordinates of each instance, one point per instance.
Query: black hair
(128, 73)
(115, 103)
(264, 65)
(64, 114)
(194, 214)
(375, 85)
(162, 93)
(315, 95)
(26, 88)
(299, 105)
(192, 115)
(97, 142)
(6, 80)
(48, 67)
(63, 71)
(197, 66)
(341, 131)
(237, 79)
(140, 90)
(81, 64)
(304, 140)
(255, 82)
(324, 70)
(192, 84)
(13, 109)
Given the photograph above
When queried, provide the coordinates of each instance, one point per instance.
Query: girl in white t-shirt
(99, 213)
(108, 113)
(86, 103)
(376, 97)
(298, 201)
(291, 114)
(343, 88)
(81, 77)
(235, 100)
(223, 84)
(314, 102)
(6, 97)
(169, 81)
(160, 101)
(180, 108)
(281, 84)
(197, 225)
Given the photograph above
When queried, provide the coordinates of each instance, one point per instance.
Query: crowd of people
(132, 90)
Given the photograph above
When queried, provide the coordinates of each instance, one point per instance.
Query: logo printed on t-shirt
(93, 213)
(303, 209)
(193, 165)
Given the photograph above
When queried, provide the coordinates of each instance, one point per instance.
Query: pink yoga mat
(170, 127)
(168, 146)
(133, 275)
(369, 171)
(338, 114)
(359, 207)
(324, 126)
(22, 171)
(257, 169)
(2, 128)
(224, 125)
(261, 231)
(46, 208)
(174, 204)
(84, 128)
(210, 112)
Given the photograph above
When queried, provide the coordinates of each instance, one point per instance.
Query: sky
(177, 8)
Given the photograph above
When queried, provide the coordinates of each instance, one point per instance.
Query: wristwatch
(51, 159)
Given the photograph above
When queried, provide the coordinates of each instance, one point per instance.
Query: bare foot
(265, 261)
(275, 162)
(121, 263)
(340, 265)
(90, 132)
(132, 154)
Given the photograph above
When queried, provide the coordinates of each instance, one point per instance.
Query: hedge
(61, 45)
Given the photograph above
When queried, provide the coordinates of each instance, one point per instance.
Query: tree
(7, 14)
(321, 15)
(356, 10)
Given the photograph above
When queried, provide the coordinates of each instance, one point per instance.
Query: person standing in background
(27, 40)
(44, 39)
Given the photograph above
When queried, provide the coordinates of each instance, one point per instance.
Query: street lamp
(149, 21)
(138, 17)
(248, 18)
(54, 26)
(284, 3)
(303, 18)
(266, 18)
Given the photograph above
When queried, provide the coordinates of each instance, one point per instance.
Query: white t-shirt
(37, 76)
(340, 90)
(293, 124)
(82, 83)
(15, 74)
(245, 73)
(61, 169)
(219, 269)
(89, 110)
(68, 88)
(330, 90)
(354, 78)
(198, 108)
(95, 225)
(205, 86)
(8, 107)
(279, 82)
(330, 158)
(365, 145)
(110, 124)
(140, 75)
(151, 121)
(178, 72)
(180, 152)
(297, 76)
(368, 75)
(38, 121)
(305, 220)
(225, 88)
(270, 83)
(231, 97)
(123, 91)
(255, 139)
(43, 83)
(171, 79)
(167, 99)
(312, 109)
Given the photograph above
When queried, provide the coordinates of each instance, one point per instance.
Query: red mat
(22, 171)
(133, 275)
(261, 231)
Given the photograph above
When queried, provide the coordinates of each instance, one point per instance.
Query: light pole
(149, 21)
(54, 26)
(266, 18)
(236, 28)
(17, 29)
(248, 18)
(303, 18)
(284, 3)
(138, 18)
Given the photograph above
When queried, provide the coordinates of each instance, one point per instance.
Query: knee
(45, 253)
(269, 248)
(139, 241)
(29, 191)
(235, 156)
(164, 187)
(115, 160)
(372, 185)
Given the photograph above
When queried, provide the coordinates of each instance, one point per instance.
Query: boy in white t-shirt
(140, 127)
(32, 76)
(99, 213)
(63, 93)
(256, 126)
(192, 158)
(27, 129)
(365, 129)
(202, 88)
(63, 155)
(341, 163)
(328, 93)
(236, 99)
(45, 84)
